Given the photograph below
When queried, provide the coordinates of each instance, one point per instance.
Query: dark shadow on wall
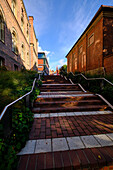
(34, 67)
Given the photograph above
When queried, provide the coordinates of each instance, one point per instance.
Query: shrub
(12, 86)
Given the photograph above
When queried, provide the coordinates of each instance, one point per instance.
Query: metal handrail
(93, 78)
(6, 107)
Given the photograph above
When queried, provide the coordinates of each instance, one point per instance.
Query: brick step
(55, 82)
(93, 158)
(65, 93)
(66, 98)
(68, 103)
(70, 109)
(62, 89)
(57, 86)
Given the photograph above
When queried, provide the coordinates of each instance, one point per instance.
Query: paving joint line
(68, 143)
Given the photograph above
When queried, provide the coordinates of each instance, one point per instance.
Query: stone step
(70, 109)
(68, 103)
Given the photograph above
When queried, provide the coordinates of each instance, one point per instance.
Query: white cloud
(61, 62)
(41, 50)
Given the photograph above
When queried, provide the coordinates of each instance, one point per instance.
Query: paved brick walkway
(71, 130)
(64, 126)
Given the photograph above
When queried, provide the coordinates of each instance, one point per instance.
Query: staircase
(72, 129)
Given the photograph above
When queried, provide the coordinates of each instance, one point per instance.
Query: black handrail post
(7, 122)
(102, 84)
(27, 99)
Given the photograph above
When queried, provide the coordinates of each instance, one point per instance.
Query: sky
(59, 23)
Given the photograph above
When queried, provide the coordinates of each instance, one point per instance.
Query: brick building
(43, 63)
(18, 43)
(93, 51)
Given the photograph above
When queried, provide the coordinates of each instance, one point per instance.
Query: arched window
(13, 6)
(2, 28)
(23, 52)
(14, 42)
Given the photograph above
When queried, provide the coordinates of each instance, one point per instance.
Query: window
(27, 58)
(75, 61)
(91, 39)
(83, 61)
(13, 5)
(22, 23)
(14, 42)
(80, 49)
(39, 66)
(23, 52)
(2, 28)
(27, 29)
(15, 67)
(22, 19)
(2, 62)
(70, 64)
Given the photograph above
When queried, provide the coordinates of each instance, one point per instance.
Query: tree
(63, 69)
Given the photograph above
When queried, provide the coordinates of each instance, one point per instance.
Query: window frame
(89, 39)
(80, 48)
(14, 6)
(2, 61)
(14, 42)
(23, 52)
(2, 29)
(15, 67)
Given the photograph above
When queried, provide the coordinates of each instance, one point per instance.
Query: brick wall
(108, 44)
(108, 64)
(13, 22)
(95, 50)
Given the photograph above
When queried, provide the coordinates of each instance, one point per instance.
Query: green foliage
(39, 83)
(63, 70)
(3, 68)
(13, 85)
(21, 123)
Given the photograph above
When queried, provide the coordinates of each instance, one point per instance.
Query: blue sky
(59, 23)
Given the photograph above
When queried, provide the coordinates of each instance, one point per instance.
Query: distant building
(18, 43)
(51, 72)
(43, 65)
(93, 51)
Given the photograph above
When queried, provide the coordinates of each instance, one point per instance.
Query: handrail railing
(6, 115)
(93, 78)
(15, 101)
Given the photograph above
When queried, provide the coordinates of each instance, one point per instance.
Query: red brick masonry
(55, 127)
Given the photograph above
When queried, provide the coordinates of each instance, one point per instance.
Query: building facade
(18, 43)
(93, 51)
(43, 63)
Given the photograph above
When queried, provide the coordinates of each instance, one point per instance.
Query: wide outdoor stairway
(72, 129)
